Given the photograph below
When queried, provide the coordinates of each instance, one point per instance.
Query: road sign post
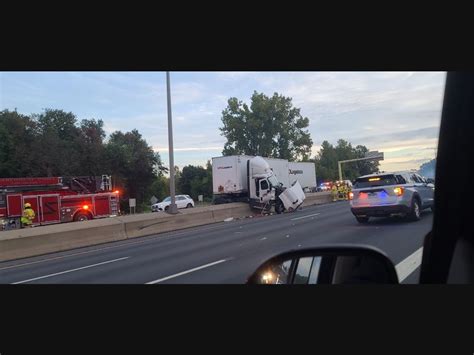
(375, 155)
(132, 203)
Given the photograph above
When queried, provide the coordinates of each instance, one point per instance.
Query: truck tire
(415, 212)
(279, 208)
(79, 217)
(362, 219)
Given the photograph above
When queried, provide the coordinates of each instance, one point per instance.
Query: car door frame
(180, 201)
(452, 227)
(428, 192)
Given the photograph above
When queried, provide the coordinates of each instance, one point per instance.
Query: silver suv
(388, 194)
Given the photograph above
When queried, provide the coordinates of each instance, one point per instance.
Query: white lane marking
(185, 272)
(287, 235)
(409, 264)
(147, 239)
(72, 270)
(263, 238)
(310, 215)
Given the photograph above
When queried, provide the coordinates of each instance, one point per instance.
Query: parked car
(386, 194)
(182, 201)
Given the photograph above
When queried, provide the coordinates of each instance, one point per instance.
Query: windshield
(167, 199)
(273, 181)
(373, 181)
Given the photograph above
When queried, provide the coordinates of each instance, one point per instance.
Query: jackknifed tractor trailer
(264, 183)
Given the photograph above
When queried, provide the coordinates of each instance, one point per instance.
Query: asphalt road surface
(223, 253)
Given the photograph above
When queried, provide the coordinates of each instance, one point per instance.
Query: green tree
(18, 145)
(91, 148)
(196, 180)
(58, 143)
(326, 161)
(133, 164)
(270, 127)
(160, 187)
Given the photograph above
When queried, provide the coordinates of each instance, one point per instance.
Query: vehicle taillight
(351, 195)
(85, 207)
(398, 191)
(116, 191)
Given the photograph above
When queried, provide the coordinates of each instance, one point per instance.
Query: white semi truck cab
(251, 179)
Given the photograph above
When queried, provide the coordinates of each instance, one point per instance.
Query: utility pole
(173, 209)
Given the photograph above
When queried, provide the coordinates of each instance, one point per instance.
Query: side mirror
(345, 264)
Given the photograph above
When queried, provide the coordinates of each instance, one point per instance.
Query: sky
(397, 113)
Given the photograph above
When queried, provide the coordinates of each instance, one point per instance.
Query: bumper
(380, 211)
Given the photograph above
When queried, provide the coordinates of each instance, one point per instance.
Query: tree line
(273, 127)
(56, 143)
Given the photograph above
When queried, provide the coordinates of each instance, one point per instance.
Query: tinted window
(302, 270)
(415, 179)
(372, 181)
(283, 272)
(2, 200)
(421, 178)
(401, 179)
(313, 276)
(264, 185)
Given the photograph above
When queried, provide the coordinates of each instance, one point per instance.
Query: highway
(222, 253)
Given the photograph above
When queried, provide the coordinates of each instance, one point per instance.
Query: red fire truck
(57, 199)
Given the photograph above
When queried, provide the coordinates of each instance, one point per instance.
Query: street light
(173, 209)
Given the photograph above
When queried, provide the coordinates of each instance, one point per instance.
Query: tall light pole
(173, 209)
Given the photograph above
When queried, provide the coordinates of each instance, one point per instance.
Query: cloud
(395, 112)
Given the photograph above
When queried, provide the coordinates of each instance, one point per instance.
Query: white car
(182, 201)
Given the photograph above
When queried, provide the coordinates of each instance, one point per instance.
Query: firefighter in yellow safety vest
(349, 190)
(28, 216)
(342, 191)
(334, 192)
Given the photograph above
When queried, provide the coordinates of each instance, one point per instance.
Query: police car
(388, 194)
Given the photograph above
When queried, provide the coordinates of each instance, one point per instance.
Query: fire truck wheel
(82, 217)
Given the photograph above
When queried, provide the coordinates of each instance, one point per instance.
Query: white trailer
(229, 175)
(263, 182)
(280, 168)
(304, 173)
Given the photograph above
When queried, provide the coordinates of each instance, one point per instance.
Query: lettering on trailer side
(224, 167)
(295, 172)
